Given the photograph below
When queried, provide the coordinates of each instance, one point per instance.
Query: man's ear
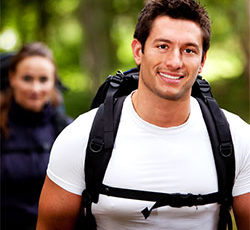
(137, 51)
(202, 63)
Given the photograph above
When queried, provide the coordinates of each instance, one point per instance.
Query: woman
(30, 120)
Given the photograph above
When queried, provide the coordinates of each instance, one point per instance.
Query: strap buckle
(177, 200)
(203, 85)
(116, 80)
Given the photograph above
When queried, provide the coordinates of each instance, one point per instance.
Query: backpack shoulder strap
(222, 146)
(98, 153)
(100, 145)
(109, 98)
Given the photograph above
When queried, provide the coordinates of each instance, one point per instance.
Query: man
(162, 144)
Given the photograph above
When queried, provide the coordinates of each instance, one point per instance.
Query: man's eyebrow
(192, 44)
(163, 40)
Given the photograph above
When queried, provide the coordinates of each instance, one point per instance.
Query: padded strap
(222, 145)
(220, 136)
(221, 142)
(109, 134)
(98, 151)
(223, 130)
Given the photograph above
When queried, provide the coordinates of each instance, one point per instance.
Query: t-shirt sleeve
(66, 164)
(240, 131)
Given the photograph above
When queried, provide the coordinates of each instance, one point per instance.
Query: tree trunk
(99, 53)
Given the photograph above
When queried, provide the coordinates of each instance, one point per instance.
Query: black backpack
(109, 99)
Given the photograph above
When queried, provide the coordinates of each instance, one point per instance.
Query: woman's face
(33, 82)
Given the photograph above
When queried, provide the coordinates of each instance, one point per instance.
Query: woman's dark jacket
(24, 159)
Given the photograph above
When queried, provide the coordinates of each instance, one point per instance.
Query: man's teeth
(170, 77)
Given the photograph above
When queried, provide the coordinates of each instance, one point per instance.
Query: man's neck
(160, 111)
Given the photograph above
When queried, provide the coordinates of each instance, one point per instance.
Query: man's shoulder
(79, 129)
(235, 121)
(240, 130)
(86, 117)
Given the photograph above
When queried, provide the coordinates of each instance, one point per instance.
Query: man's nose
(174, 60)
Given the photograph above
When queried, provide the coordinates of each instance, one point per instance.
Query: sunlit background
(91, 39)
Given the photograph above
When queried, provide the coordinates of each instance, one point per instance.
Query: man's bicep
(241, 208)
(58, 208)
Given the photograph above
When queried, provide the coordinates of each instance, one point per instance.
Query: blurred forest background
(91, 39)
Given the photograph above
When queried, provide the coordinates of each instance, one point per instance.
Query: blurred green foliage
(91, 39)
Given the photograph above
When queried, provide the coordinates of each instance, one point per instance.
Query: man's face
(171, 59)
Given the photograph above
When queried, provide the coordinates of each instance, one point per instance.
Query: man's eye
(162, 46)
(43, 79)
(189, 51)
(27, 78)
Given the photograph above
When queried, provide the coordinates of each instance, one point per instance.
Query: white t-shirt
(151, 158)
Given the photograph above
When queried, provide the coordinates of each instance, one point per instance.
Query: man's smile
(177, 77)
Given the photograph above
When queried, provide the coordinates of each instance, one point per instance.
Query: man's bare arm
(58, 208)
(241, 208)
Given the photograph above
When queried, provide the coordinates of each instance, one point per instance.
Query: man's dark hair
(177, 9)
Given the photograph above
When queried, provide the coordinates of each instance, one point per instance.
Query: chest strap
(175, 200)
